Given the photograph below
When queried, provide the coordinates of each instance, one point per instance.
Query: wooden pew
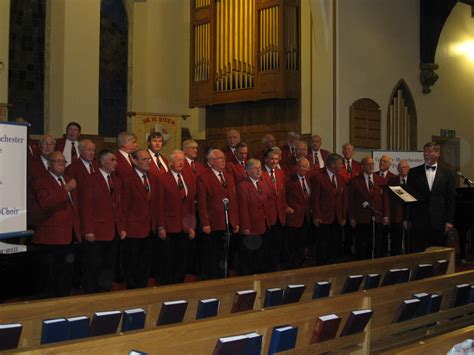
(200, 337)
(385, 302)
(438, 345)
(31, 314)
(380, 334)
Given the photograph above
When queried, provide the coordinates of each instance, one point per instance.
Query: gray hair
(125, 137)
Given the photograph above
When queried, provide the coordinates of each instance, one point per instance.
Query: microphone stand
(227, 239)
(373, 232)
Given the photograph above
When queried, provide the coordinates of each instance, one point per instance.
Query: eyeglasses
(144, 159)
(59, 161)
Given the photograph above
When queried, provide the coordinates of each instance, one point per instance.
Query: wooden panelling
(365, 124)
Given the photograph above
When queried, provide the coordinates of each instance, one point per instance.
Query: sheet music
(403, 194)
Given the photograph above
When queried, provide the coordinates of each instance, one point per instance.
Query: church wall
(4, 41)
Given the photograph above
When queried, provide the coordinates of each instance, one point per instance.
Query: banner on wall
(414, 158)
(143, 123)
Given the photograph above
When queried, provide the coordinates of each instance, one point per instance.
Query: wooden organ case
(244, 50)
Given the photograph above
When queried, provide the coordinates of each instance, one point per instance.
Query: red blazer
(359, 193)
(101, 212)
(387, 177)
(397, 208)
(78, 171)
(356, 170)
(327, 202)
(210, 194)
(296, 200)
(59, 217)
(173, 213)
(254, 206)
(238, 172)
(285, 154)
(60, 143)
(36, 170)
(136, 206)
(154, 167)
(199, 168)
(123, 168)
(324, 154)
(229, 155)
(278, 208)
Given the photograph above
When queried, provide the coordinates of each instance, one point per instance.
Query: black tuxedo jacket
(435, 207)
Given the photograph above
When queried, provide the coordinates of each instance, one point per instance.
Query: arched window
(26, 62)
(365, 128)
(113, 75)
(401, 119)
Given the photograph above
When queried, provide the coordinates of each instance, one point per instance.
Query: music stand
(227, 238)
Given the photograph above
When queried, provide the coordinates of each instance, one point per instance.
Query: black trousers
(213, 254)
(98, 265)
(273, 247)
(396, 237)
(251, 261)
(329, 243)
(137, 254)
(422, 237)
(295, 242)
(56, 268)
(363, 241)
(174, 254)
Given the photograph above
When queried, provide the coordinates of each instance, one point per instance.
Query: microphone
(225, 201)
(466, 179)
(366, 204)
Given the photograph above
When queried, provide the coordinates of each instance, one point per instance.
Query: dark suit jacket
(173, 213)
(278, 208)
(78, 171)
(101, 212)
(210, 194)
(254, 206)
(136, 206)
(59, 217)
(328, 203)
(435, 206)
(296, 200)
(359, 193)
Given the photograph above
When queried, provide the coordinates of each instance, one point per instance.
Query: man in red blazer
(139, 190)
(215, 185)
(301, 151)
(69, 144)
(275, 178)
(298, 215)
(367, 196)
(233, 138)
(81, 168)
(58, 228)
(191, 164)
(102, 224)
(397, 208)
(159, 164)
(384, 172)
(329, 207)
(317, 156)
(255, 197)
(37, 168)
(175, 218)
(268, 142)
(237, 168)
(127, 144)
(351, 167)
(288, 150)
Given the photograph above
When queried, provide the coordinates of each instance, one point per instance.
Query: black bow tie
(428, 167)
